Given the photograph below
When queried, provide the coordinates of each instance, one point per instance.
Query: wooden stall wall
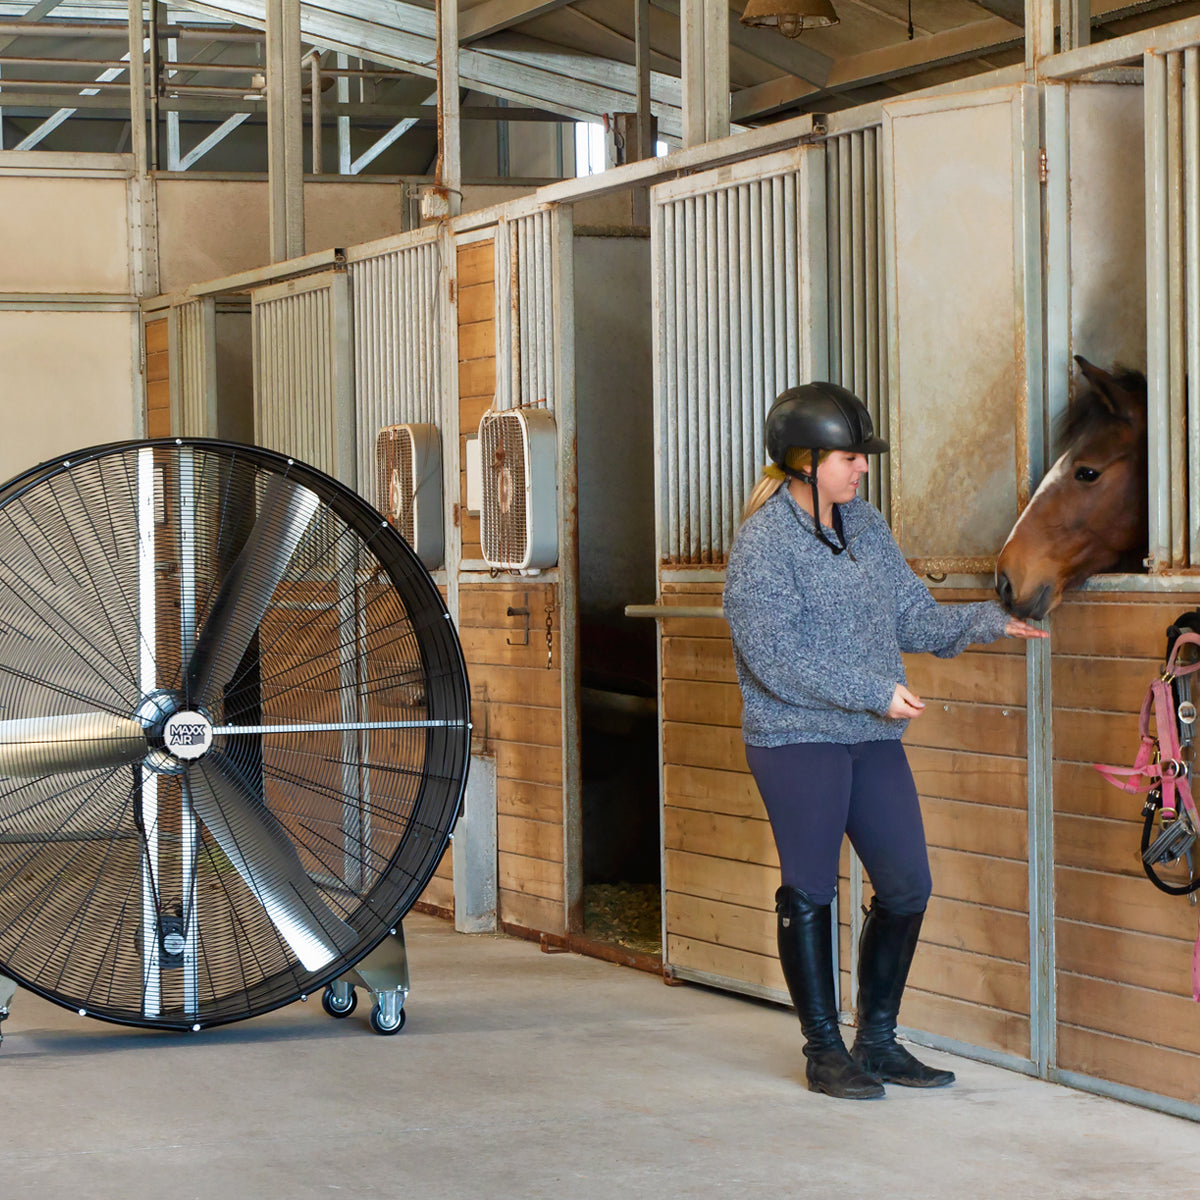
(970, 977)
(516, 679)
(1125, 1012)
(158, 379)
(720, 867)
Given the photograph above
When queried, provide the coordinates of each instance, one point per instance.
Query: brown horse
(1089, 513)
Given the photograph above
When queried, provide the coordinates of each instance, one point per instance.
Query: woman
(821, 604)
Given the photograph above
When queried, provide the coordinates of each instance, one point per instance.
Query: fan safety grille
(504, 453)
(396, 478)
(233, 736)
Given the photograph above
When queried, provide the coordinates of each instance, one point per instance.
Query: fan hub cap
(187, 735)
(178, 735)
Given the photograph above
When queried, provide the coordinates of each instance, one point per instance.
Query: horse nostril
(1004, 589)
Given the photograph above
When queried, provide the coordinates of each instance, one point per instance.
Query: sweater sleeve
(923, 626)
(764, 615)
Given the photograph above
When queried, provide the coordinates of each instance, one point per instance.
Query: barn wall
(68, 329)
(209, 228)
(1125, 1011)
(73, 373)
(64, 235)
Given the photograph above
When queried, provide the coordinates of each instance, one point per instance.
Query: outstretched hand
(905, 705)
(1022, 629)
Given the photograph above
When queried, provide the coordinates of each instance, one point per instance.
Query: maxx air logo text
(187, 735)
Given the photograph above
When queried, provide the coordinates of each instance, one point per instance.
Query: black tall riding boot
(885, 954)
(806, 955)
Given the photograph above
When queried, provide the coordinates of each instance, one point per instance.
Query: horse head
(1089, 513)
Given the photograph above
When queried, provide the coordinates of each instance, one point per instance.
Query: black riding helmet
(820, 416)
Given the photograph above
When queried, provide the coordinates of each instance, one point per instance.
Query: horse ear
(1109, 391)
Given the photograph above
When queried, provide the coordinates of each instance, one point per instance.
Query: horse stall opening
(556, 319)
(886, 257)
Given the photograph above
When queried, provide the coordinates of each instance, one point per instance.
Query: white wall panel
(64, 236)
(68, 383)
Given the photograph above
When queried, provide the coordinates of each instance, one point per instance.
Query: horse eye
(1087, 474)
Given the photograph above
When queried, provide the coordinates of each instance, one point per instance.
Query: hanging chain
(550, 630)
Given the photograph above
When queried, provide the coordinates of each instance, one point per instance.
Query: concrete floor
(522, 1074)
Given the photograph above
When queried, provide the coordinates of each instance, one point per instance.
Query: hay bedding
(626, 914)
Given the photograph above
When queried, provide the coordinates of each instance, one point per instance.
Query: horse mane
(1089, 411)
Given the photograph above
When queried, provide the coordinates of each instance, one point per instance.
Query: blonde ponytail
(773, 478)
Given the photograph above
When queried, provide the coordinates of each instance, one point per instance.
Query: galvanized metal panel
(398, 329)
(857, 317)
(732, 330)
(960, 344)
(194, 368)
(303, 372)
(1172, 157)
(527, 304)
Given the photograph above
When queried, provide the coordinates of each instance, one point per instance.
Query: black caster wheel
(333, 1008)
(379, 1027)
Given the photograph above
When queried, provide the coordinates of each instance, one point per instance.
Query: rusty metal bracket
(519, 612)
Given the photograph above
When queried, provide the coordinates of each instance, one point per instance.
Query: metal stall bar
(1157, 306)
(1191, 159)
(148, 681)
(1176, 398)
(666, 407)
(189, 826)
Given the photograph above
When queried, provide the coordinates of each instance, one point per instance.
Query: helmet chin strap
(818, 529)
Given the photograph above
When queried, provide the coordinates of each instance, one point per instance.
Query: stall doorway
(619, 755)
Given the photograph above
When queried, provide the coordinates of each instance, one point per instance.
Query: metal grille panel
(1172, 96)
(525, 312)
(729, 340)
(397, 343)
(302, 403)
(195, 333)
(857, 310)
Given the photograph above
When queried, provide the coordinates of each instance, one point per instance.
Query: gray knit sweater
(817, 637)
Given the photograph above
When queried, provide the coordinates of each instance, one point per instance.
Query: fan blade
(260, 850)
(89, 741)
(245, 593)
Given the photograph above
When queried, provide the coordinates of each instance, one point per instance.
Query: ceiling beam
(1013, 11)
(876, 66)
(529, 72)
(767, 46)
(493, 16)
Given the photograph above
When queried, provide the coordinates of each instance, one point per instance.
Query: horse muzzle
(1028, 602)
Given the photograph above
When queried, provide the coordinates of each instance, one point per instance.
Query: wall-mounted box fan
(519, 519)
(408, 475)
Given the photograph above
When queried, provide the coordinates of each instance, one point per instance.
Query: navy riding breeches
(817, 791)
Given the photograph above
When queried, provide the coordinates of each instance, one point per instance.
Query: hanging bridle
(1162, 769)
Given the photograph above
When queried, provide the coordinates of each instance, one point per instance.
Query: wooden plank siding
(158, 381)
(516, 710)
(1123, 948)
(476, 307)
(970, 980)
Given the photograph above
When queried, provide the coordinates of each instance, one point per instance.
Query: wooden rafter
(876, 66)
(495, 15)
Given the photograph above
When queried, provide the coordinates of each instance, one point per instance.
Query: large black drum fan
(234, 733)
